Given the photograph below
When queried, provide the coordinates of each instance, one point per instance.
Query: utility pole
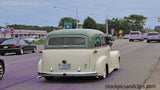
(77, 17)
(106, 25)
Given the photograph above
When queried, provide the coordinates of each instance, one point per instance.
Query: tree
(30, 27)
(89, 23)
(68, 19)
(138, 21)
(157, 28)
(101, 27)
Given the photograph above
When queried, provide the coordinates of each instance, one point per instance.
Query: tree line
(127, 24)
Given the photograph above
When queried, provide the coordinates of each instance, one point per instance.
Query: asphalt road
(137, 61)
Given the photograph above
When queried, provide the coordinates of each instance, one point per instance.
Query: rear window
(134, 33)
(153, 33)
(11, 41)
(66, 41)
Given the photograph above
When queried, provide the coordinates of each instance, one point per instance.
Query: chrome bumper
(74, 74)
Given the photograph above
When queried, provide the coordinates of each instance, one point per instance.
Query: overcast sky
(44, 13)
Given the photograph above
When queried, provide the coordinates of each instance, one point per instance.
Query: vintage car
(2, 68)
(77, 53)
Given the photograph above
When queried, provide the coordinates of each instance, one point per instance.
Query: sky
(50, 12)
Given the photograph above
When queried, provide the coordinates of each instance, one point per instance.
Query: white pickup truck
(74, 53)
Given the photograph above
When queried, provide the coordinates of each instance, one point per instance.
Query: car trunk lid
(65, 60)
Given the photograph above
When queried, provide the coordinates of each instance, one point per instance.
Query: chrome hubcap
(1, 70)
(104, 75)
(21, 51)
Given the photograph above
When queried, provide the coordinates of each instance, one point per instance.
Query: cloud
(11, 3)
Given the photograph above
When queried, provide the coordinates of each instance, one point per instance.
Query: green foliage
(38, 42)
(30, 27)
(139, 21)
(68, 19)
(157, 28)
(89, 23)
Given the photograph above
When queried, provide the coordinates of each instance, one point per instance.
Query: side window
(103, 41)
(22, 42)
(97, 42)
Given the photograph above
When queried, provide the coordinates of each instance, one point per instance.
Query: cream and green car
(77, 53)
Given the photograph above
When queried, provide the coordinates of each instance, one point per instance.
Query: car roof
(87, 32)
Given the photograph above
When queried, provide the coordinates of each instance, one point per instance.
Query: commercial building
(13, 33)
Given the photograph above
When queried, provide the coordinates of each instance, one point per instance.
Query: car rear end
(126, 36)
(68, 62)
(66, 56)
(135, 35)
(153, 36)
(9, 46)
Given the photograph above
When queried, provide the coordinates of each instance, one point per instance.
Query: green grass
(118, 38)
(38, 42)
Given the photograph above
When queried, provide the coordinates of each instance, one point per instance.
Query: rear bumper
(70, 74)
(153, 39)
(9, 50)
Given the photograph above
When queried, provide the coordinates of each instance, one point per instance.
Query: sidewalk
(154, 79)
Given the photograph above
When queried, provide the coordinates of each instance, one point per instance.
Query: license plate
(5, 47)
(64, 66)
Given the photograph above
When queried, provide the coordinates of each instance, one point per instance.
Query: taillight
(64, 61)
(139, 35)
(13, 46)
(130, 35)
(40, 52)
(95, 51)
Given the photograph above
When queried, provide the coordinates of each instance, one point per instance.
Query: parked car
(3, 39)
(126, 36)
(77, 53)
(153, 36)
(42, 38)
(32, 38)
(145, 35)
(2, 68)
(109, 40)
(17, 45)
(135, 35)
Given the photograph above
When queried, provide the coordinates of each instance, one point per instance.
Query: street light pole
(72, 10)
(77, 18)
(106, 25)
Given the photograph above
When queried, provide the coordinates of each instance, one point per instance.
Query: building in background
(13, 33)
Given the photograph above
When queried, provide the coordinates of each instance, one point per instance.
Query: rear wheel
(2, 54)
(34, 50)
(1, 70)
(20, 52)
(117, 68)
(148, 41)
(104, 74)
(49, 78)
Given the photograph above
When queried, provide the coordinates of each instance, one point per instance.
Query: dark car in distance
(2, 68)
(17, 45)
(153, 36)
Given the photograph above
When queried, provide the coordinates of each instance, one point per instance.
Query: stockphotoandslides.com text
(133, 86)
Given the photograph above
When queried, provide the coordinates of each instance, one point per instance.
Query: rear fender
(115, 58)
(40, 65)
(100, 65)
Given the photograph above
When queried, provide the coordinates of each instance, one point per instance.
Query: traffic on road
(67, 62)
